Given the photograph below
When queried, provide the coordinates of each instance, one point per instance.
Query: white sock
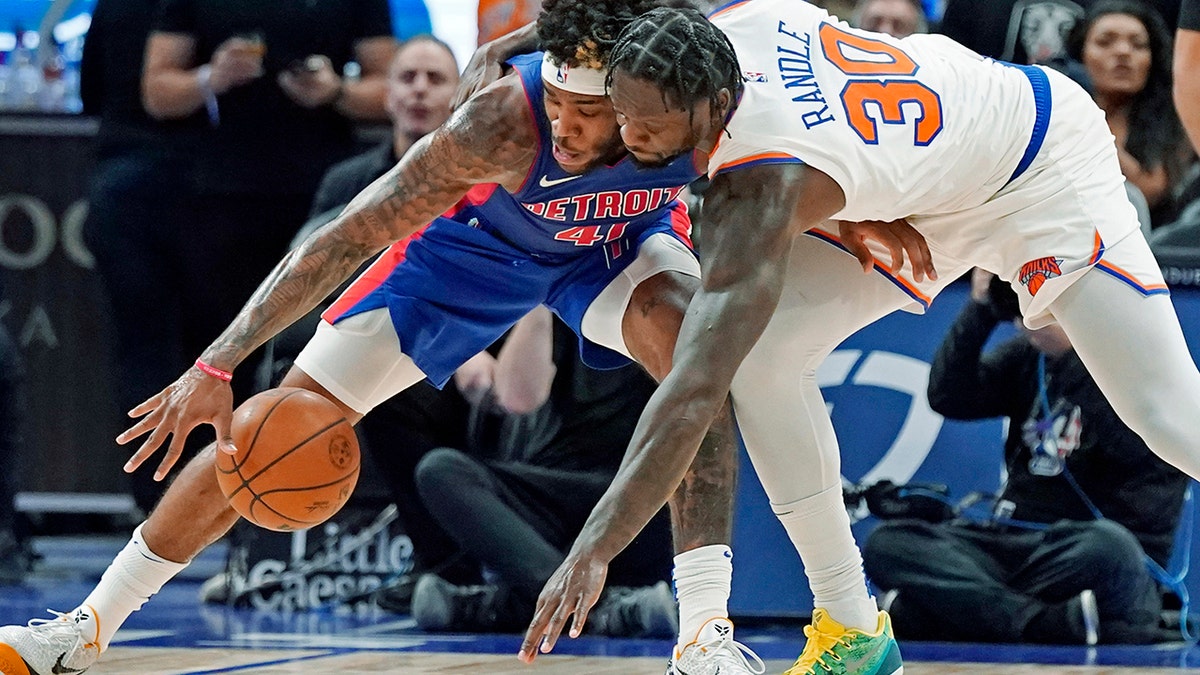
(819, 528)
(702, 580)
(134, 576)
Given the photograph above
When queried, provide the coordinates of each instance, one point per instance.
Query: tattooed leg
(702, 505)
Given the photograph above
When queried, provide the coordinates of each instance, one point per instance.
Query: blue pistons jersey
(555, 212)
(559, 240)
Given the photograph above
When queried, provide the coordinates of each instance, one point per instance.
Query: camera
(1002, 300)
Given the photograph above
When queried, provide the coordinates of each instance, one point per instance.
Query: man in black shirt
(250, 100)
(546, 438)
(134, 208)
(421, 81)
(1084, 504)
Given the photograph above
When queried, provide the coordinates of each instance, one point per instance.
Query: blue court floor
(176, 619)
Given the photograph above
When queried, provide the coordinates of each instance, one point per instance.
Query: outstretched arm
(488, 141)
(751, 217)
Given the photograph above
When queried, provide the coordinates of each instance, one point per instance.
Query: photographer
(1063, 557)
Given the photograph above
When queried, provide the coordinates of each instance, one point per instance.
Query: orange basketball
(297, 460)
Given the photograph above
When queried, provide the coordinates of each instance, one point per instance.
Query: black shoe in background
(396, 595)
(438, 605)
(636, 612)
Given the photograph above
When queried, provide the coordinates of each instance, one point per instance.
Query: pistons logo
(1035, 273)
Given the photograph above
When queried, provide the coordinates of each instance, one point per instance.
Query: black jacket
(1127, 482)
(344, 180)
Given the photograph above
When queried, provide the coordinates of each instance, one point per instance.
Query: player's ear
(724, 100)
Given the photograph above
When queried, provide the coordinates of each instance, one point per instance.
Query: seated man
(898, 18)
(546, 436)
(1085, 503)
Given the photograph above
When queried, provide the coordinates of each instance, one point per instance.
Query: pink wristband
(215, 372)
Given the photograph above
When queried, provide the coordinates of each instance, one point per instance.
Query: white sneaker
(715, 652)
(64, 645)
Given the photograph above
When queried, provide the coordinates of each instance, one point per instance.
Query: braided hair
(581, 33)
(681, 52)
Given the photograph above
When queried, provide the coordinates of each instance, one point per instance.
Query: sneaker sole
(11, 662)
(429, 607)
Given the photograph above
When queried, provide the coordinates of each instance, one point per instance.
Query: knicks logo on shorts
(1035, 273)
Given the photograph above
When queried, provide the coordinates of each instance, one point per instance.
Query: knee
(1108, 548)
(892, 542)
(445, 471)
(652, 319)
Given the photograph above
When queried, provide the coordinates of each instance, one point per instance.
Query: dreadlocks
(680, 51)
(581, 33)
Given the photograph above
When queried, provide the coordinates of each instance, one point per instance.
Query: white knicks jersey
(916, 126)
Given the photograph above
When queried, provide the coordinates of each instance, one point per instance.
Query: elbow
(154, 101)
(951, 411)
(943, 404)
(521, 403)
(703, 401)
(936, 403)
(523, 399)
(154, 106)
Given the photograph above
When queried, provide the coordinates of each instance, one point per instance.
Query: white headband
(575, 79)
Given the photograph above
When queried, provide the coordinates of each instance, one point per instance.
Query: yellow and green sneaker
(836, 650)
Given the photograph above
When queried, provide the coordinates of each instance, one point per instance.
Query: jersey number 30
(881, 74)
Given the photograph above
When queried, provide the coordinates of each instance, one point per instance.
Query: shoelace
(725, 649)
(62, 622)
(63, 617)
(819, 645)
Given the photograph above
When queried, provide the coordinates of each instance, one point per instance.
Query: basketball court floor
(176, 635)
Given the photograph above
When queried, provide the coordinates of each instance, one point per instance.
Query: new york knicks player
(1008, 168)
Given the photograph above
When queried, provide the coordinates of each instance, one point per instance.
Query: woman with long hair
(1126, 49)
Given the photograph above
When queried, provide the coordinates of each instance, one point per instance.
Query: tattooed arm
(490, 140)
(478, 145)
(751, 216)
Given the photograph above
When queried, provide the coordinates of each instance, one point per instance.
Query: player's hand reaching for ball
(195, 398)
(897, 236)
(573, 589)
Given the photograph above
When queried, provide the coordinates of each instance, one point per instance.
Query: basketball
(297, 460)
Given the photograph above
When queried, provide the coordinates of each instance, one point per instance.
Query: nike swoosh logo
(861, 664)
(60, 669)
(546, 182)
